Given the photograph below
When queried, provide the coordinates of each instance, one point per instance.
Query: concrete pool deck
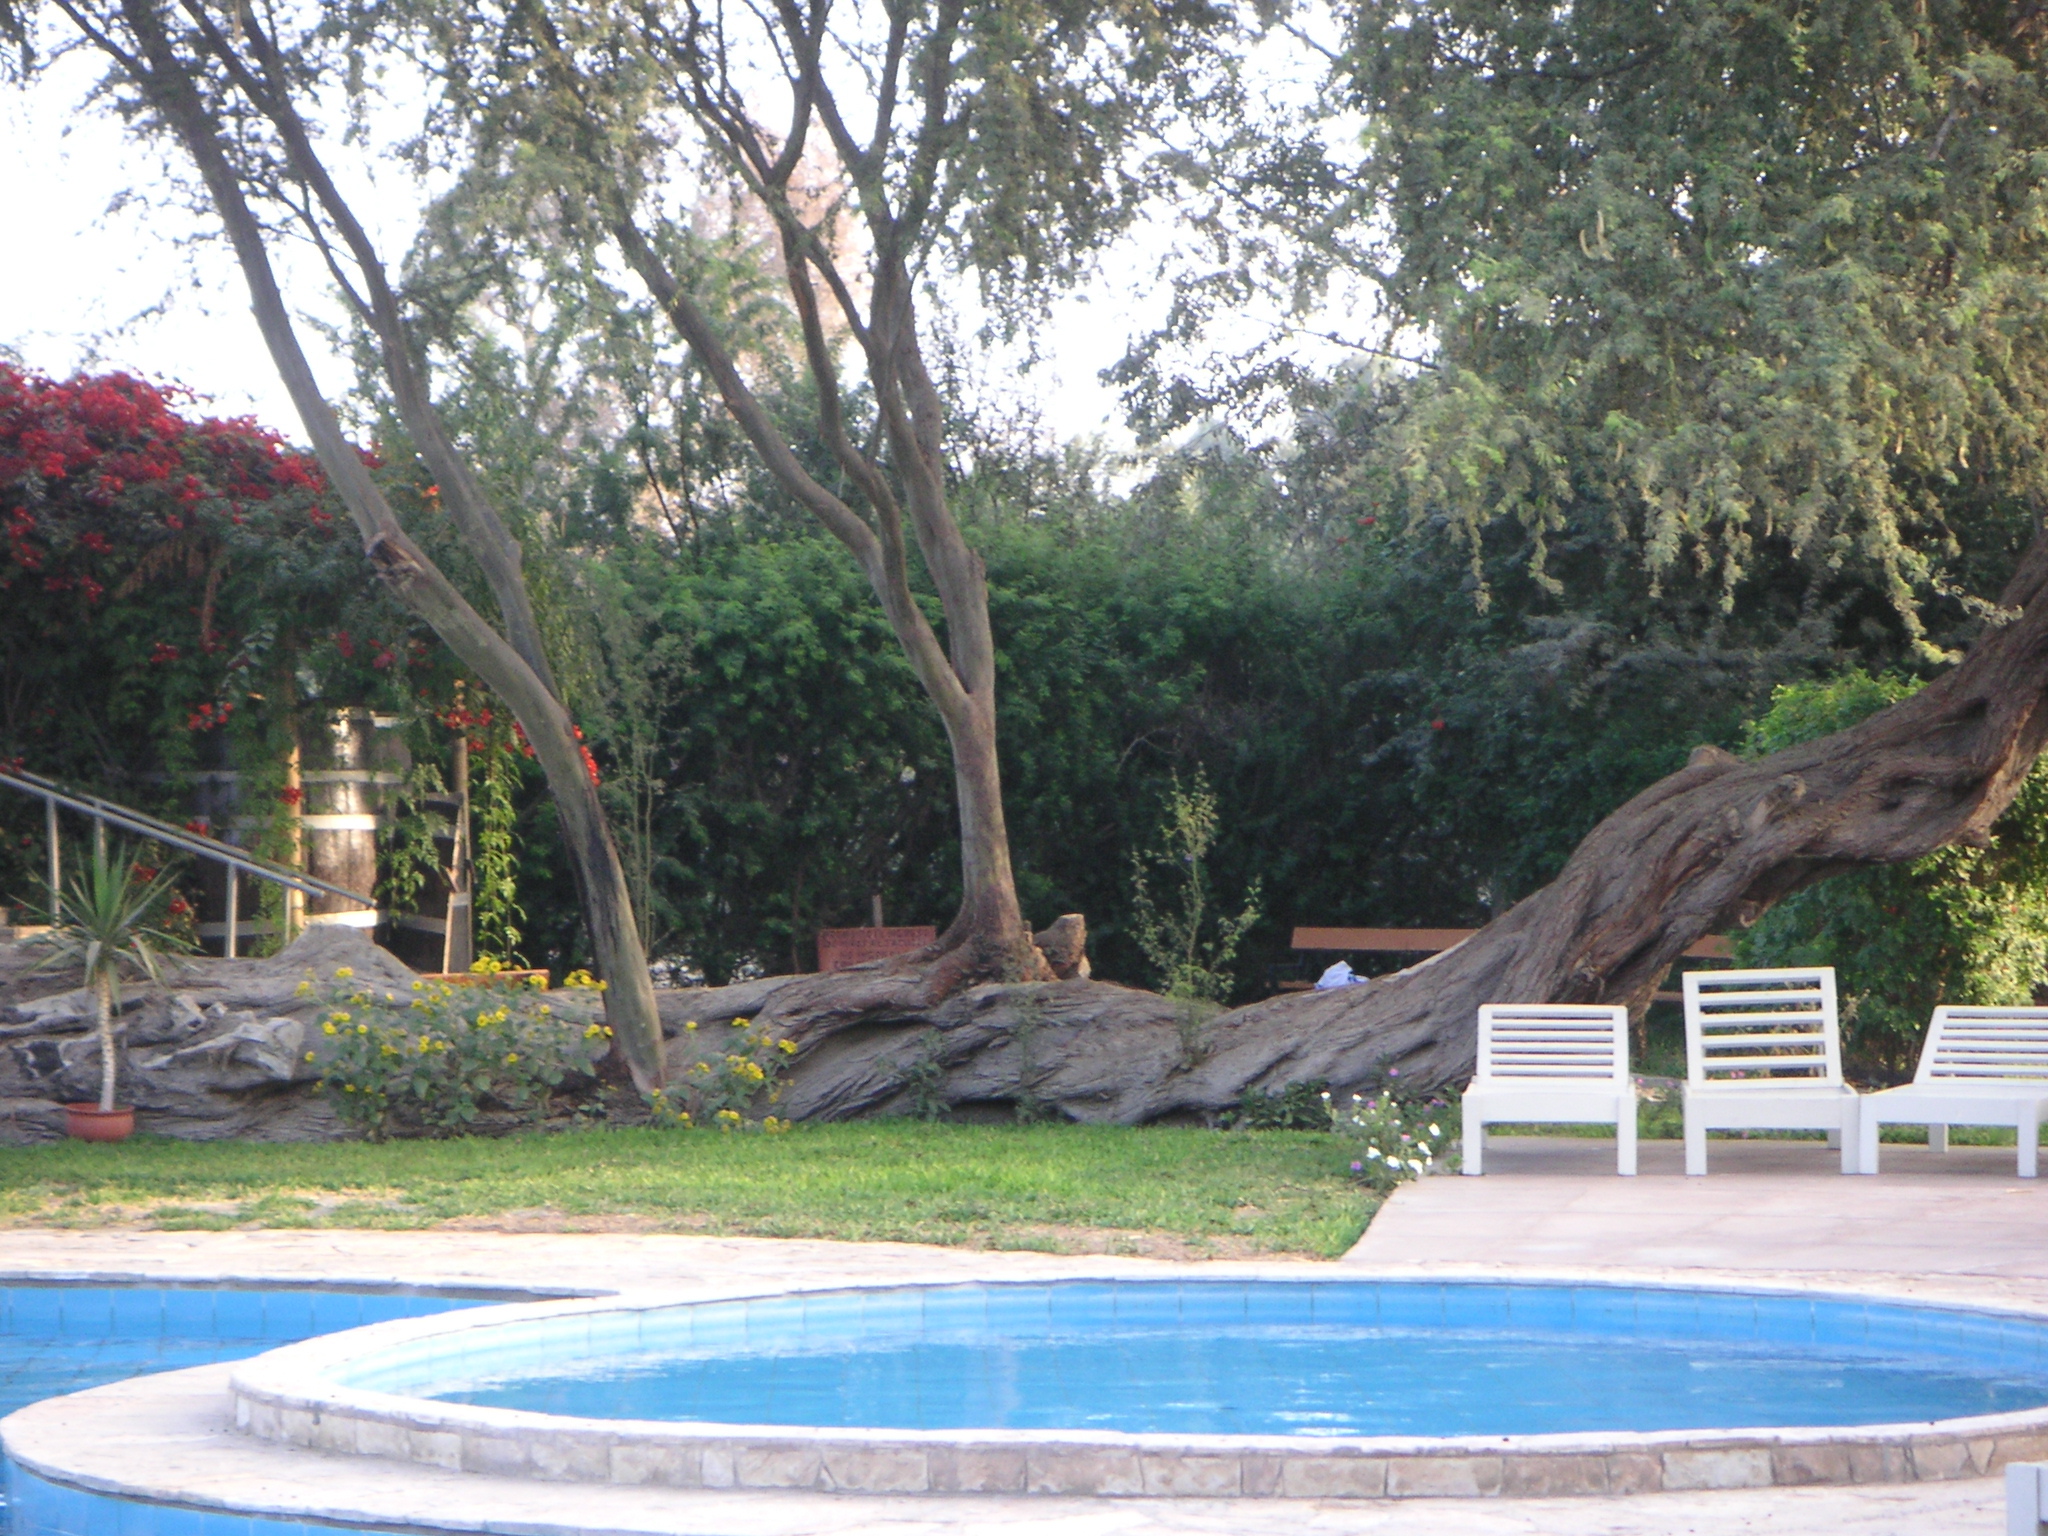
(1956, 1227)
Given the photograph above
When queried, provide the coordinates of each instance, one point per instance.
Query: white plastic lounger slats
(1979, 1066)
(1763, 1051)
(1564, 1063)
(1985, 1042)
(1736, 1029)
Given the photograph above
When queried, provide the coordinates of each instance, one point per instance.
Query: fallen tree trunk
(1711, 846)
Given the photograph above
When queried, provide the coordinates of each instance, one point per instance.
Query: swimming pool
(57, 1337)
(1253, 1386)
(1216, 1358)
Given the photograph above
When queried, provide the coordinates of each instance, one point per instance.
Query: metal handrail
(106, 813)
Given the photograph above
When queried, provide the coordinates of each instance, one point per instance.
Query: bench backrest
(1985, 1044)
(1778, 1026)
(1565, 1043)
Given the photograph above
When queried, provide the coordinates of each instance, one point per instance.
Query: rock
(63, 1011)
(164, 1020)
(1065, 947)
(252, 1053)
(219, 1052)
(29, 1120)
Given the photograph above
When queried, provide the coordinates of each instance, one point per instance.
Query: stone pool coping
(167, 1440)
(283, 1397)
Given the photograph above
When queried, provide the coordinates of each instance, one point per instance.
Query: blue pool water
(1337, 1358)
(65, 1338)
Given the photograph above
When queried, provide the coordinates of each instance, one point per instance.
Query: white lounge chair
(1763, 1052)
(1980, 1066)
(1552, 1062)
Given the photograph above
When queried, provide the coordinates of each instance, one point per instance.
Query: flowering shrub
(172, 589)
(432, 1063)
(721, 1088)
(1399, 1140)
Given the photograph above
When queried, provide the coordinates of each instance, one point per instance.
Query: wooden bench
(1434, 941)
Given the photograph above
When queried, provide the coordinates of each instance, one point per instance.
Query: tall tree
(1723, 285)
(886, 146)
(232, 91)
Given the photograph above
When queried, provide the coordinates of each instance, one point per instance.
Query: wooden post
(295, 855)
(458, 940)
(56, 858)
(875, 920)
(232, 933)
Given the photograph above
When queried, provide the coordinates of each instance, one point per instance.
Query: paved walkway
(1764, 1205)
(1958, 1226)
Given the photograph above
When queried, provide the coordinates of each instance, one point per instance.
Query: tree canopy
(1731, 286)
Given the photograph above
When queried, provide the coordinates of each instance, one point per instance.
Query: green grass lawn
(1171, 1191)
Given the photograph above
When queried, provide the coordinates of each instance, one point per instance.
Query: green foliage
(433, 1063)
(494, 778)
(109, 920)
(1397, 1139)
(1188, 947)
(923, 1077)
(1736, 288)
(1803, 711)
(1963, 925)
(733, 1073)
(1297, 1107)
(411, 858)
(1377, 751)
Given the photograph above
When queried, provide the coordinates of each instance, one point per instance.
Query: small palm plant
(104, 921)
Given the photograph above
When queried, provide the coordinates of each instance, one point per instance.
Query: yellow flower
(511, 1057)
(306, 988)
(344, 973)
(546, 1012)
(787, 1047)
(416, 986)
(311, 1055)
(339, 1017)
(741, 1023)
(691, 1025)
(327, 1028)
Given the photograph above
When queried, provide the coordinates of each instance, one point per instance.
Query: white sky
(90, 282)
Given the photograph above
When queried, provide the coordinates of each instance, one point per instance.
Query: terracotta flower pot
(88, 1122)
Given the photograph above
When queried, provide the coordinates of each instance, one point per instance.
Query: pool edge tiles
(290, 1396)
